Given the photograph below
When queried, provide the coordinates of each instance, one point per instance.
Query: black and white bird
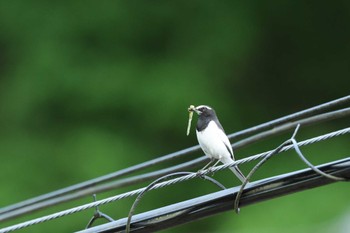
(213, 139)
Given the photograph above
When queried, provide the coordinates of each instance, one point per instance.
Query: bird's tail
(238, 173)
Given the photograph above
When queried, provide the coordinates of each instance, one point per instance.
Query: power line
(179, 167)
(166, 183)
(92, 183)
(217, 202)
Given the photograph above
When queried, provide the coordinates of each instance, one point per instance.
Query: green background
(88, 88)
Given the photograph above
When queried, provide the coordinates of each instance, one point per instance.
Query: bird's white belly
(212, 143)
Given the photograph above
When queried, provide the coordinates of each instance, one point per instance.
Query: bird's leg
(213, 166)
(211, 160)
(216, 163)
(200, 171)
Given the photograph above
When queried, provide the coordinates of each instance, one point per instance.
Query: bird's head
(204, 110)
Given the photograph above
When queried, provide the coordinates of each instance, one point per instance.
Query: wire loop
(295, 145)
(138, 198)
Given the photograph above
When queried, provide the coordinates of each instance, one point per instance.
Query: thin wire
(220, 201)
(288, 126)
(91, 183)
(104, 187)
(149, 187)
(292, 117)
(166, 183)
(179, 167)
(262, 161)
(315, 169)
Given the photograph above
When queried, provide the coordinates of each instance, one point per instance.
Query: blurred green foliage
(87, 88)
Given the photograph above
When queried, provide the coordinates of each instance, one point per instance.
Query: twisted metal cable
(52, 199)
(167, 183)
(249, 131)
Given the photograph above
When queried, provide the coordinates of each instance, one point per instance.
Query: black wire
(152, 175)
(88, 187)
(292, 117)
(217, 202)
(290, 125)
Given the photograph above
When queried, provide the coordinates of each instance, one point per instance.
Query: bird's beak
(192, 108)
(198, 112)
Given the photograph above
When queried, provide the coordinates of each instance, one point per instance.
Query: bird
(213, 139)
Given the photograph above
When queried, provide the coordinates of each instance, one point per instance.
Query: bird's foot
(200, 173)
(210, 171)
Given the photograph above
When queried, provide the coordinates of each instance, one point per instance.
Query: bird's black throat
(204, 120)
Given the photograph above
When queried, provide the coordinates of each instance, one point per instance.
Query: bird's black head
(205, 111)
(206, 114)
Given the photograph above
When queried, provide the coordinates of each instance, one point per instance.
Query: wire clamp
(98, 214)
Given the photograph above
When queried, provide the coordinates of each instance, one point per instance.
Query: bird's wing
(223, 137)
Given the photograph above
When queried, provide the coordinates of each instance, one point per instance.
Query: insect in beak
(190, 111)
